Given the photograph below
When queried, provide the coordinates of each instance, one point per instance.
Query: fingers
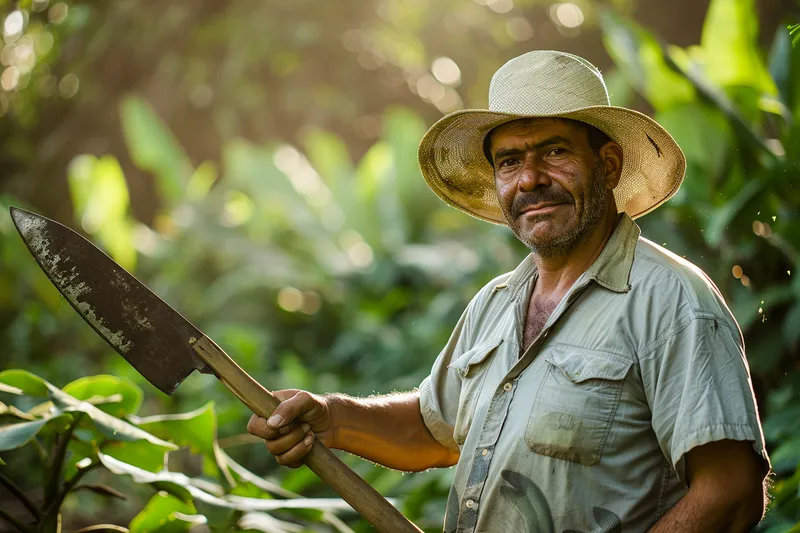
(288, 442)
(284, 443)
(294, 406)
(293, 457)
(258, 427)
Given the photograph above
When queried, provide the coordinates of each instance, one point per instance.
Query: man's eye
(508, 162)
(557, 152)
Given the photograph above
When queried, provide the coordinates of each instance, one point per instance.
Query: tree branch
(13, 521)
(16, 491)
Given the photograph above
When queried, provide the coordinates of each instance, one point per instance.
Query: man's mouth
(540, 208)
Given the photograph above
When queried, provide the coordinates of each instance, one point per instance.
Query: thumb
(295, 405)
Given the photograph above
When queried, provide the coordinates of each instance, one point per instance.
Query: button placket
(490, 432)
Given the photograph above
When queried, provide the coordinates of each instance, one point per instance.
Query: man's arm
(726, 491)
(388, 430)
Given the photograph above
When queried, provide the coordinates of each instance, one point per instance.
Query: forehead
(533, 129)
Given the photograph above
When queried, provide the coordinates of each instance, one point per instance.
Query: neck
(557, 274)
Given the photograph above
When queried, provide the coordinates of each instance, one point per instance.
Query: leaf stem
(40, 451)
(70, 484)
(13, 521)
(16, 491)
(57, 464)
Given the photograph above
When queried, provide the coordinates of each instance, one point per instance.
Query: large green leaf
(729, 44)
(705, 137)
(384, 222)
(196, 430)
(100, 426)
(101, 200)
(155, 149)
(16, 435)
(640, 59)
(165, 513)
(23, 382)
(177, 484)
(402, 130)
(105, 386)
(109, 426)
(139, 453)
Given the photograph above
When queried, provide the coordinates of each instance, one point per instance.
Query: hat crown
(546, 82)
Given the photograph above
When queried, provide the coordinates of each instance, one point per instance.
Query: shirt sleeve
(698, 385)
(440, 391)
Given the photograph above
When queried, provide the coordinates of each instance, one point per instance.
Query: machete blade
(139, 325)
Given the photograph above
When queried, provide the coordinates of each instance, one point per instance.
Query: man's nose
(531, 175)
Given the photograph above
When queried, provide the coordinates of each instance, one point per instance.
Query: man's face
(551, 185)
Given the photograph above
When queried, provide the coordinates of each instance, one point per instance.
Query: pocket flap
(474, 357)
(580, 364)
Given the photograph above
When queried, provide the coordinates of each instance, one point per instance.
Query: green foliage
(736, 214)
(319, 259)
(70, 446)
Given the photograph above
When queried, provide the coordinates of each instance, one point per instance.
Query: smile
(540, 210)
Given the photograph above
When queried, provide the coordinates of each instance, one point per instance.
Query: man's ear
(611, 156)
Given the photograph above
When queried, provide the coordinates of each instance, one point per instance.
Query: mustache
(549, 196)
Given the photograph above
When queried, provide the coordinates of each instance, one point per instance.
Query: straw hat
(548, 84)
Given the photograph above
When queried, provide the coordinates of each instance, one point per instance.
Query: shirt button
(484, 452)
(470, 504)
(507, 387)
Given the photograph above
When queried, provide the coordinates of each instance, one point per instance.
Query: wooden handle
(354, 490)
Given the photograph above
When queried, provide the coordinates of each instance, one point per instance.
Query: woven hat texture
(547, 83)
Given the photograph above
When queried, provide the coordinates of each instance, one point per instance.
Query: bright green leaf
(640, 59)
(28, 383)
(139, 453)
(94, 387)
(155, 149)
(109, 426)
(201, 181)
(730, 47)
(705, 137)
(100, 195)
(196, 430)
(163, 514)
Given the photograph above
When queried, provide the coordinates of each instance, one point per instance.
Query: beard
(595, 204)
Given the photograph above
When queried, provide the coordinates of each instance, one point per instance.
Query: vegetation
(316, 269)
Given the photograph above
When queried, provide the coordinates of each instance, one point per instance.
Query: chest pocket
(471, 368)
(575, 404)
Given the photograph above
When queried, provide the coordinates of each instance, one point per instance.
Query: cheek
(505, 193)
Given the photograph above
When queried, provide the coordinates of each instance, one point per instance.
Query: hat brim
(453, 163)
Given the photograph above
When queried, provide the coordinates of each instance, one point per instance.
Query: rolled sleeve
(698, 385)
(439, 393)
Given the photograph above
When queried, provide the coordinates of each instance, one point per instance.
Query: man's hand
(387, 430)
(289, 445)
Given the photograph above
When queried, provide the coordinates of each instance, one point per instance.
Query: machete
(165, 348)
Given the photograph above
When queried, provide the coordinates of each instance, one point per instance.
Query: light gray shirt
(587, 431)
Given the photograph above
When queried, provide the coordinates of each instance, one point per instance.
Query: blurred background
(255, 164)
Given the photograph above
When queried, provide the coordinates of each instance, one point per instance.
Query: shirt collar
(612, 268)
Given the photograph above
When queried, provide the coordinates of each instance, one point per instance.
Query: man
(599, 387)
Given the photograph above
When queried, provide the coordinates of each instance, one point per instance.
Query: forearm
(388, 430)
(701, 512)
